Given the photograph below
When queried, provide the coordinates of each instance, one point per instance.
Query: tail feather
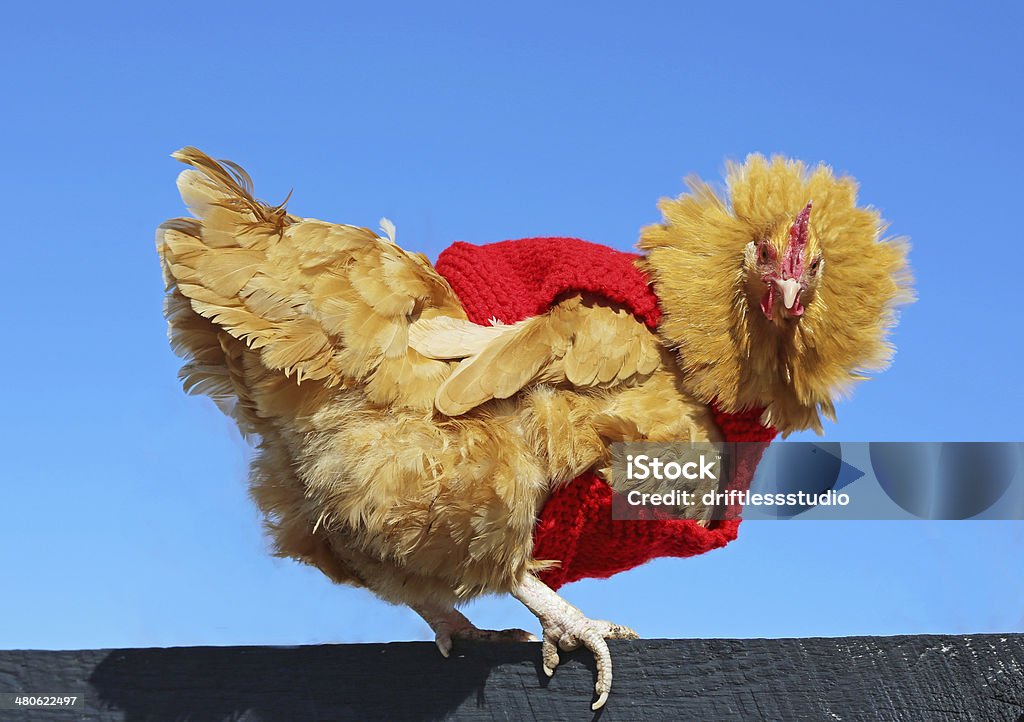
(258, 297)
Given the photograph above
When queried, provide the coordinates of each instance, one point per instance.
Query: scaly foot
(451, 624)
(567, 628)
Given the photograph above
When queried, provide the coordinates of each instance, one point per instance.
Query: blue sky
(124, 519)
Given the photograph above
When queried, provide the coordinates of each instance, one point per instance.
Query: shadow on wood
(858, 678)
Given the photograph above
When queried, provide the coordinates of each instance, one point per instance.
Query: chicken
(404, 449)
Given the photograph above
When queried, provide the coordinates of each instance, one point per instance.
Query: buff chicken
(423, 430)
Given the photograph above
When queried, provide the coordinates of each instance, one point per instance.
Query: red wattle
(768, 301)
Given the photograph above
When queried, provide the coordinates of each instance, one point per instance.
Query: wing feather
(314, 300)
(582, 342)
(341, 305)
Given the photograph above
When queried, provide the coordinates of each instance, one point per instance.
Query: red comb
(793, 258)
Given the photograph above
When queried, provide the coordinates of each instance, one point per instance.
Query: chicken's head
(783, 267)
(771, 298)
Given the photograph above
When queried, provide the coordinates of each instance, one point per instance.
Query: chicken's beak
(790, 288)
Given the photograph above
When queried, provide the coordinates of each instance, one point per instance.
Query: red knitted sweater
(513, 280)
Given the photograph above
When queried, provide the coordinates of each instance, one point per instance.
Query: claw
(444, 645)
(549, 654)
(567, 628)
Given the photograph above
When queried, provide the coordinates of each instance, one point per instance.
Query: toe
(444, 644)
(549, 653)
(568, 642)
(593, 641)
(610, 630)
(517, 635)
(494, 635)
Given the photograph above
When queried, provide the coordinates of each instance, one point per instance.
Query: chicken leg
(567, 628)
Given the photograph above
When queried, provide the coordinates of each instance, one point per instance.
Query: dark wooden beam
(933, 678)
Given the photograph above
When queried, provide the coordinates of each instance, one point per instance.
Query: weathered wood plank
(934, 678)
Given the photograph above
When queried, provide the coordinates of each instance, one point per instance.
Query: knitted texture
(513, 280)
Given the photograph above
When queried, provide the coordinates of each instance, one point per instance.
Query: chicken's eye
(814, 265)
(763, 254)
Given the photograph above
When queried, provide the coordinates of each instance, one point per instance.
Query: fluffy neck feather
(725, 346)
